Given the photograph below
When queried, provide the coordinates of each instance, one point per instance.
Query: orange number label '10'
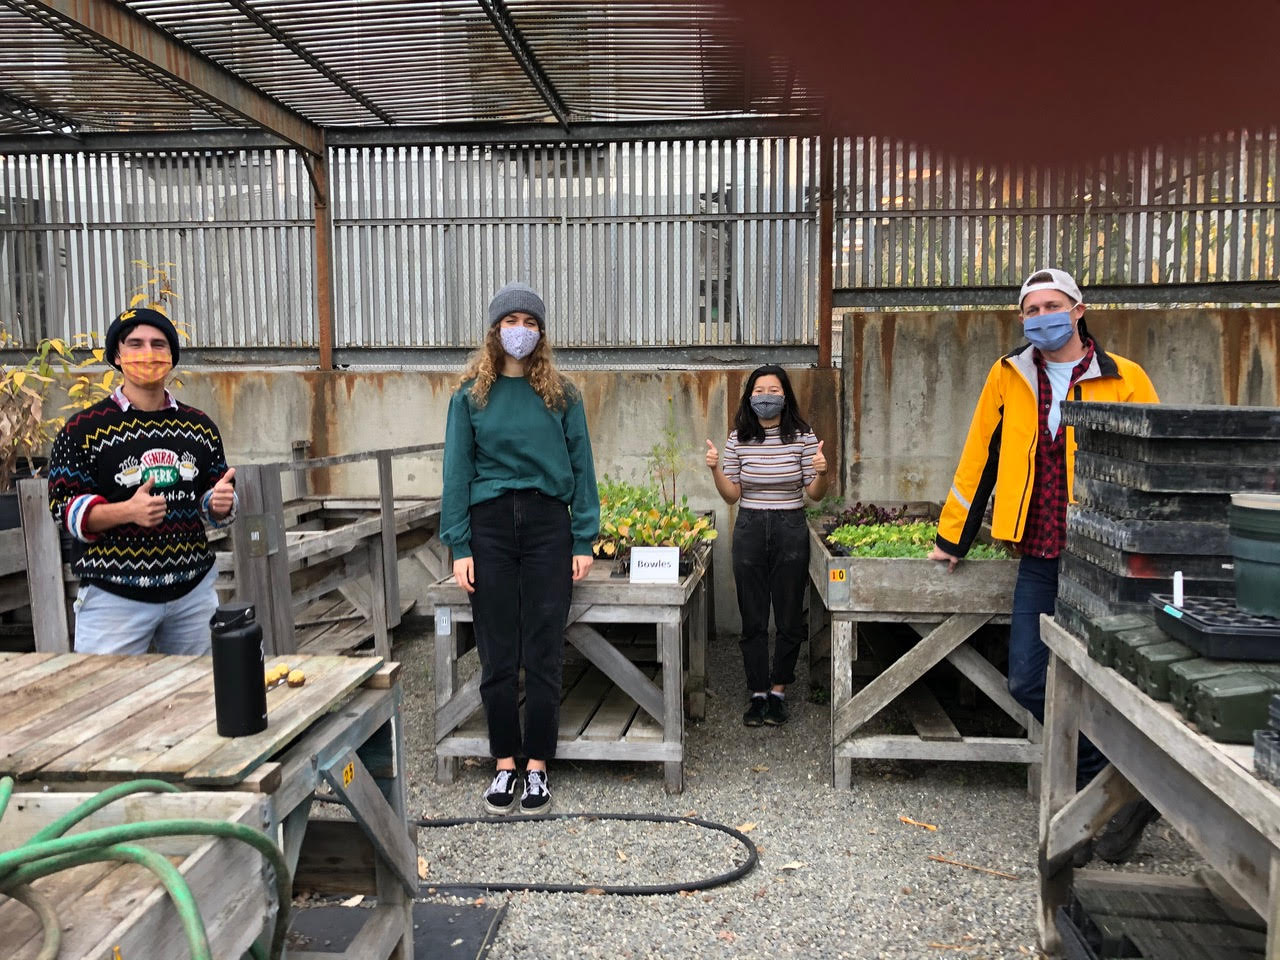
(838, 575)
(348, 774)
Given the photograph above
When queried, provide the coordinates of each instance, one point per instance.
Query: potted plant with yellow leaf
(26, 426)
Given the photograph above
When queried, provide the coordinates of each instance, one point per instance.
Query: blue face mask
(1049, 331)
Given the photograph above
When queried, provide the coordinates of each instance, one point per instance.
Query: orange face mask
(147, 368)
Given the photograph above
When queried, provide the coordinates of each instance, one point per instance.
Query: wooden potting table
(614, 707)
(78, 722)
(1206, 790)
(946, 609)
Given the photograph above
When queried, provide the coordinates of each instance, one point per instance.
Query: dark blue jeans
(1033, 594)
(522, 549)
(771, 568)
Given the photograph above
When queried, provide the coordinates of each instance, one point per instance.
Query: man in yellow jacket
(1018, 450)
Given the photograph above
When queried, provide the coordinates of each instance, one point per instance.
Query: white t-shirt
(1059, 373)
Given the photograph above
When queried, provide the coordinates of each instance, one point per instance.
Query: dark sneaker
(756, 709)
(537, 795)
(500, 798)
(776, 714)
(1119, 838)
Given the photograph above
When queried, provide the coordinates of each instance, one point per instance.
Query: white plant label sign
(655, 564)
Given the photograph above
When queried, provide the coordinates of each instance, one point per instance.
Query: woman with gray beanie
(519, 511)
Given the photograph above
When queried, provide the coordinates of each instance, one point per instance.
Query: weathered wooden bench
(80, 722)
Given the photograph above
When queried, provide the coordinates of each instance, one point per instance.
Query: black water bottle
(239, 693)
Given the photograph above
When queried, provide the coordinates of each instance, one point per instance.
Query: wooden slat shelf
(281, 556)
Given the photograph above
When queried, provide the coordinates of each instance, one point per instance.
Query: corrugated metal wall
(1192, 212)
(631, 244)
(236, 226)
(680, 243)
(657, 244)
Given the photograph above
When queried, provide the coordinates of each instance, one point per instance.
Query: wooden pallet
(596, 716)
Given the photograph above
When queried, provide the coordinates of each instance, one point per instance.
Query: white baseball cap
(1050, 278)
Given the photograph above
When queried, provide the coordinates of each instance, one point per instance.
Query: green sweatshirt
(514, 442)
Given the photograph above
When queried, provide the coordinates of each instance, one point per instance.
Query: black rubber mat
(439, 929)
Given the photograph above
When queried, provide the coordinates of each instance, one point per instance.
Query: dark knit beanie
(142, 316)
(517, 297)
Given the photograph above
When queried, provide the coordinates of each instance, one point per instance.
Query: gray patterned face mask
(768, 405)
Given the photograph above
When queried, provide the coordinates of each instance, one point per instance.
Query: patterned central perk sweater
(103, 455)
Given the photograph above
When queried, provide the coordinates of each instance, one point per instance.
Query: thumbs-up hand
(819, 460)
(223, 497)
(713, 455)
(148, 508)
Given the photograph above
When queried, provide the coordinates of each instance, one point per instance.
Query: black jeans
(523, 555)
(771, 567)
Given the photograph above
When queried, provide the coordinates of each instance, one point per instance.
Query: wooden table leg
(1063, 689)
(819, 640)
(446, 680)
(696, 681)
(672, 705)
(843, 650)
(1273, 912)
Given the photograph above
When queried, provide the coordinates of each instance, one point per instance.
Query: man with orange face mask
(136, 477)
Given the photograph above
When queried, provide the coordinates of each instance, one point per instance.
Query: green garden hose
(50, 851)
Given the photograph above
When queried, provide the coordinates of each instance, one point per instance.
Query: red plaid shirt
(1045, 533)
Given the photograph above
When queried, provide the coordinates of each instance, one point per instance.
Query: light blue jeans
(107, 623)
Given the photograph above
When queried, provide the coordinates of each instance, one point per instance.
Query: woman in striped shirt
(771, 460)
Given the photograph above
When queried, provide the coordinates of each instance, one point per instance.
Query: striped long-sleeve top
(772, 474)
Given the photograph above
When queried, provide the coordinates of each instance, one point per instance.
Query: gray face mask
(768, 405)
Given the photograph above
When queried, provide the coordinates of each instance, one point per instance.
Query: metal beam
(292, 45)
(548, 133)
(500, 17)
(826, 243)
(169, 142)
(33, 116)
(746, 357)
(115, 30)
(1189, 293)
(454, 134)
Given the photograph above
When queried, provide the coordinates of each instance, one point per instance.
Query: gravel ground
(839, 874)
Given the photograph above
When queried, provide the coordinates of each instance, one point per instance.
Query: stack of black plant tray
(1153, 485)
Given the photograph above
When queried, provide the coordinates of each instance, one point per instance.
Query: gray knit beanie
(517, 296)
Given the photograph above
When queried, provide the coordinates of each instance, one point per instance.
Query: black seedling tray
(1118, 500)
(1093, 607)
(1179, 477)
(1115, 588)
(1150, 536)
(1216, 628)
(1162, 420)
(1181, 450)
(1148, 565)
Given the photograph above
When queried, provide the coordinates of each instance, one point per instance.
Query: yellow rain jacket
(1000, 450)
